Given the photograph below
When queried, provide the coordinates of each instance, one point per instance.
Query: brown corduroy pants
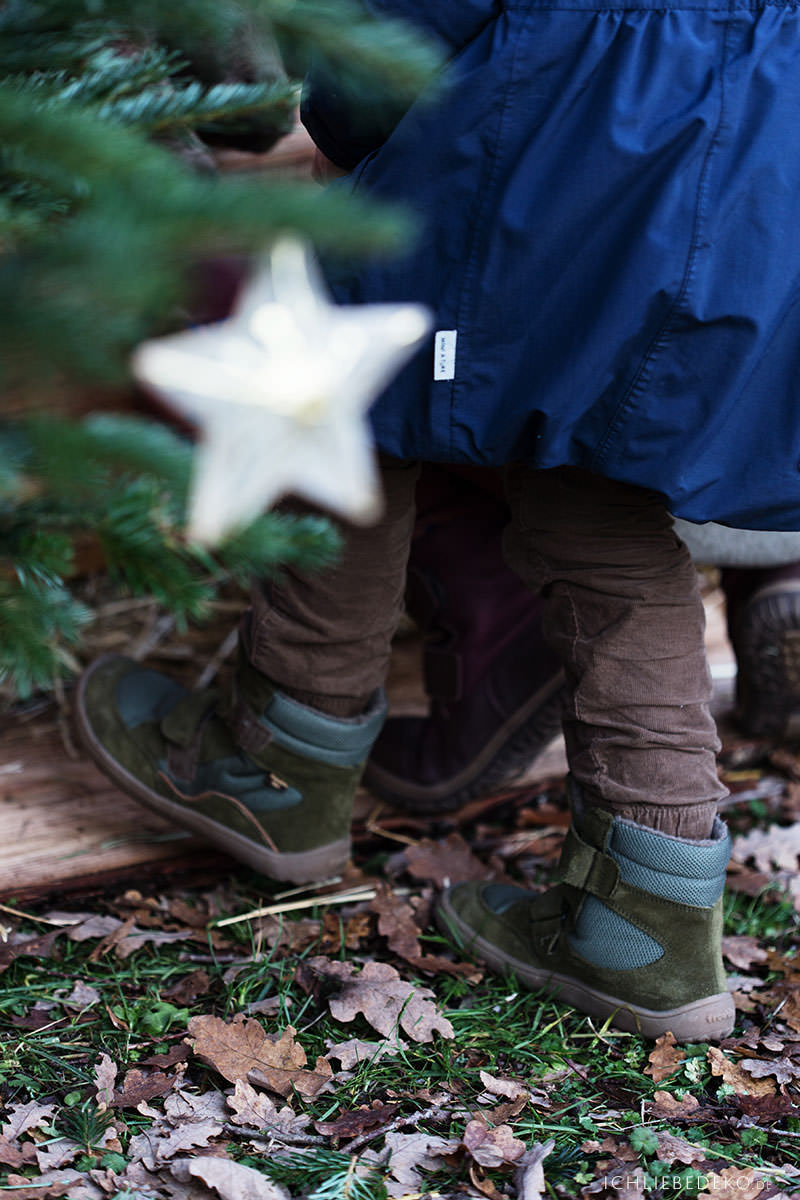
(623, 612)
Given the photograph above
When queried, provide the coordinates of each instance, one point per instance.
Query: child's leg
(633, 931)
(625, 615)
(269, 773)
(325, 637)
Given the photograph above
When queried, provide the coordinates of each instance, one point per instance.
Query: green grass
(587, 1081)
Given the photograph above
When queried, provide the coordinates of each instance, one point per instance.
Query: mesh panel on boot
(605, 939)
(689, 872)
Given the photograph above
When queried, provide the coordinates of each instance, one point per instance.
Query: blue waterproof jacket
(609, 202)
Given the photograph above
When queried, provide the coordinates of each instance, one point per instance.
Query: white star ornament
(280, 392)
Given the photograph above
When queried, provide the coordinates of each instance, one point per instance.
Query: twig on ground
(434, 1113)
(277, 1134)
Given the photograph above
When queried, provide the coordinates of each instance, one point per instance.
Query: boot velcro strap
(584, 867)
(250, 733)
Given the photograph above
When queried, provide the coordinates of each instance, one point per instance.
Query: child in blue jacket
(607, 193)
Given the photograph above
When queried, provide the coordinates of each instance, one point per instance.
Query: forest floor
(209, 1034)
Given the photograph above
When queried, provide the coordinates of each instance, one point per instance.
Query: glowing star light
(280, 392)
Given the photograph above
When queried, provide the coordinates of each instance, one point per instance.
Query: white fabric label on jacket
(444, 357)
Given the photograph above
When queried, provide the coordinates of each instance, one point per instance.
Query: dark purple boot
(495, 687)
(764, 629)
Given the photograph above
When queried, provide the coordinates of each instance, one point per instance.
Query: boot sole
(512, 749)
(299, 866)
(769, 662)
(703, 1020)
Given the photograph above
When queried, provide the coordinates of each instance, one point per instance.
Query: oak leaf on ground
(230, 1180)
(256, 1110)
(412, 1153)
(445, 862)
(492, 1147)
(742, 951)
(742, 1082)
(783, 1069)
(511, 1089)
(357, 1121)
(16, 1154)
(665, 1058)
(667, 1105)
(529, 1175)
(141, 1085)
(732, 1181)
(384, 999)
(105, 1079)
(240, 1048)
(355, 1051)
(22, 1117)
(676, 1149)
(40, 946)
(776, 846)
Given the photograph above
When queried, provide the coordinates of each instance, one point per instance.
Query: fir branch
(193, 105)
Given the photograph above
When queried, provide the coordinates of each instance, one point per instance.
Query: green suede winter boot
(260, 775)
(632, 933)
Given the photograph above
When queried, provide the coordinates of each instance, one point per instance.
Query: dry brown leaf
(482, 1184)
(492, 1147)
(230, 1180)
(412, 1153)
(22, 1117)
(740, 1080)
(187, 989)
(776, 846)
(732, 1181)
(665, 1058)
(747, 881)
(160, 1143)
(386, 1000)
(357, 1121)
(139, 1085)
(234, 1047)
(512, 1089)
(338, 934)
(355, 1051)
(13, 1154)
(743, 951)
(135, 938)
(177, 1053)
(396, 923)
(529, 1175)
(503, 1113)
(447, 861)
(783, 1069)
(88, 925)
(282, 1068)
(57, 1154)
(40, 946)
(257, 1111)
(105, 1079)
(675, 1149)
(184, 1106)
(667, 1105)
(82, 996)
